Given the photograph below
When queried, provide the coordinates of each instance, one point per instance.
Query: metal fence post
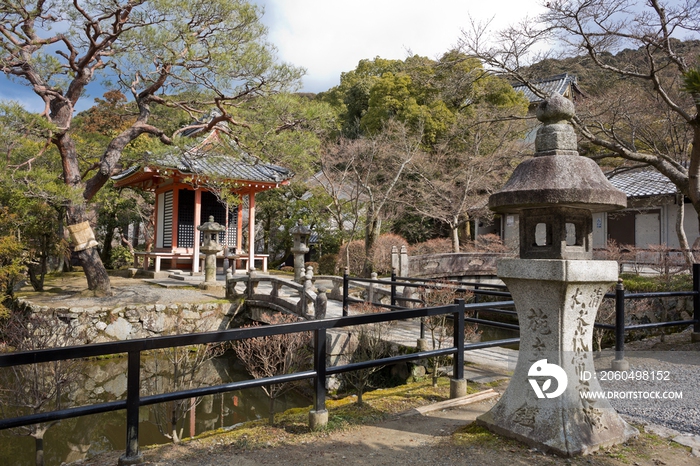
(133, 385)
(346, 289)
(695, 336)
(318, 418)
(619, 363)
(458, 384)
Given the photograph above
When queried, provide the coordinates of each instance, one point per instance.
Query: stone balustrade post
(321, 304)
(403, 262)
(370, 290)
(395, 259)
(276, 286)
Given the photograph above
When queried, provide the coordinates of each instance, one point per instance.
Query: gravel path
(666, 368)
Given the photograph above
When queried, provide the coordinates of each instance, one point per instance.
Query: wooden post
(176, 202)
(251, 229)
(197, 222)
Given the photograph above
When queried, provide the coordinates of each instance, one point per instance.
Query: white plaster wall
(690, 224)
(647, 229)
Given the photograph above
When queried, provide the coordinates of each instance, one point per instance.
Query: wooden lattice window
(185, 219)
(167, 219)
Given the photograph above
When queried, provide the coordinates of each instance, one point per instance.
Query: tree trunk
(39, 447)
(372, 232)
(94, 269)
(271, 416)
(454, 226)
(680, 232)
(107, 245)
(95, 272)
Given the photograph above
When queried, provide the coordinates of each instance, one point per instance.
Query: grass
(291, 426)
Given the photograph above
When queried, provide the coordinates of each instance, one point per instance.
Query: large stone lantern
(210, 247)
(300, 235)
(557, 289)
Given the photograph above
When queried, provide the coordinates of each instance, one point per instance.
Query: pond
(105, 380)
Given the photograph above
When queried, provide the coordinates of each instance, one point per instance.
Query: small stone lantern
(557, 288)
(210, 247)
(300, 234)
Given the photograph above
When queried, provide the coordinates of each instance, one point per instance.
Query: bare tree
(649, 116)
(274, 355)
(175, 369)
(36, 388)
(337, 179)
(453, 183)
(369, 342)
(442, 294)
(378, 165)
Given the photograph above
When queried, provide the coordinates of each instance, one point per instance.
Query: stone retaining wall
(103, 324)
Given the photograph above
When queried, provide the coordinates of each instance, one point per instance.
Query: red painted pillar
(251, 229)
(197, 222)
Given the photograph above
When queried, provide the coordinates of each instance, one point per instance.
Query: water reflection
(105, 380)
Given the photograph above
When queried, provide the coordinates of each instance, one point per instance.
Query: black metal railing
(620, 296)
(475, 288)
(134, 348)
(480, 289)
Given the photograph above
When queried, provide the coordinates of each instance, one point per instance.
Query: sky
(328, 37)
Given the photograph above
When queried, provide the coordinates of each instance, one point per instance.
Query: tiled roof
(210, 162)
(643, 182)
(555, 84)
(241, 167)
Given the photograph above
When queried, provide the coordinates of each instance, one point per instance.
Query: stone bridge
(463, 264)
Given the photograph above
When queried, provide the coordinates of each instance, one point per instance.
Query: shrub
(313, 265)
(432, 246)
(120, 257)
(491, 243)
(381, 252)
(328, 264)
(355, 251)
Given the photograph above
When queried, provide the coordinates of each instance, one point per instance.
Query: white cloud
(328, 37)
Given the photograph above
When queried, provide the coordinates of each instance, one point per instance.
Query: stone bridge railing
(444, 265)
(285, 295)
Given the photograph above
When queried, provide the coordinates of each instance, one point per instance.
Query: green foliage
(653, 283)
(430, 96)
(691, 82)
(279, 210)
(11, 266)
(286, 129)
(121, 257)
(34, 195)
